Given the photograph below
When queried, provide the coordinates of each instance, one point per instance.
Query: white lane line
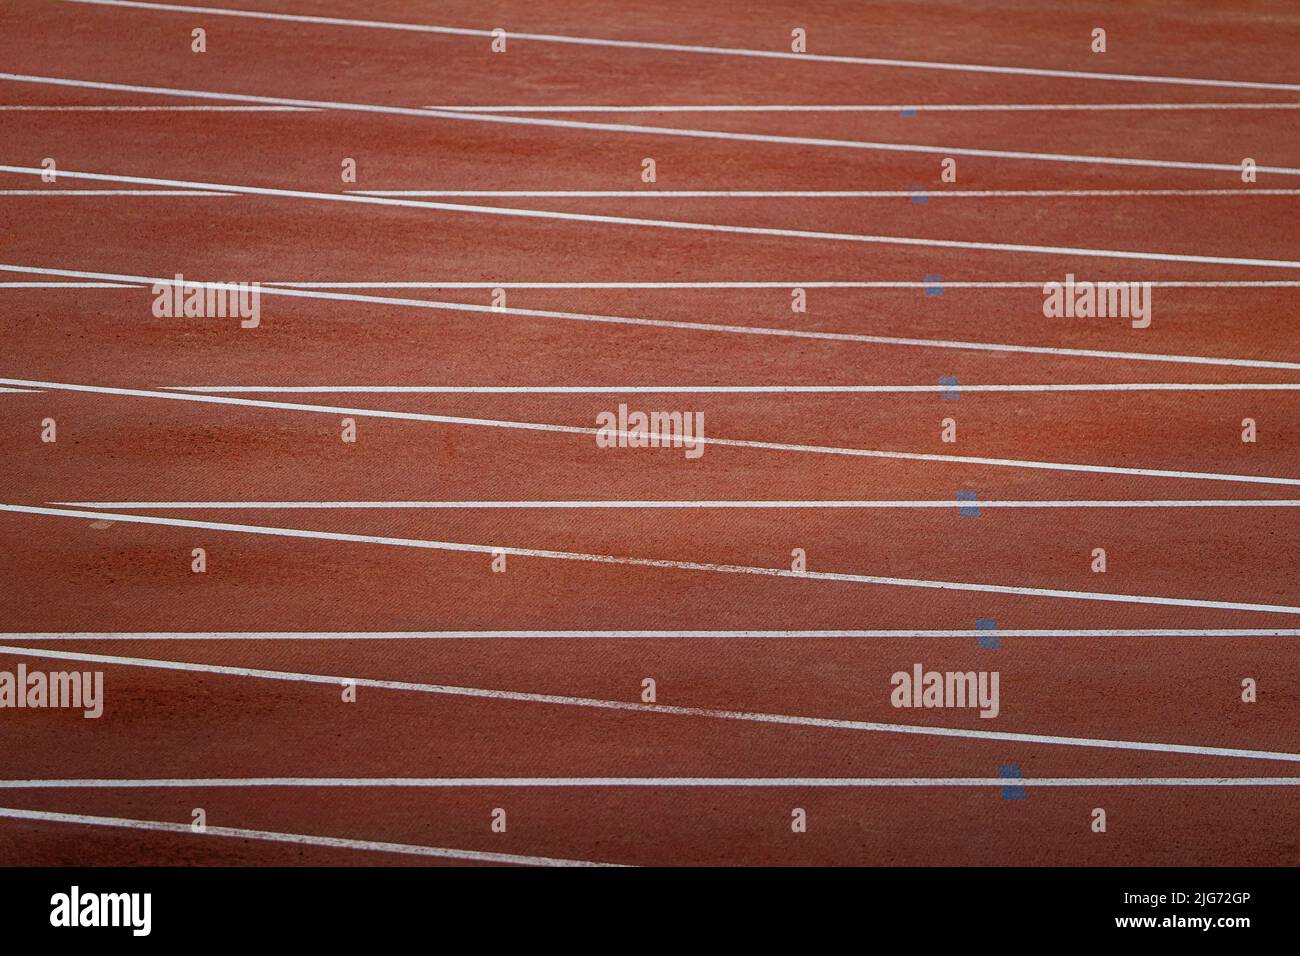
(298, 839)
(873, 108)
(677, 224)
(102, 193)
(439, 783)
(66, 285)
(21, 391)
(810, 504)
(675, 131)
(1157, 284)
(815, 194)
(686, 326)
(707, 440)
(492, 634)
(659, 563)
(825, 723)
(730, 389)
(694, 48)
(182, 109)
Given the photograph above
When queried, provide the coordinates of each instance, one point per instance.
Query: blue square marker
(989, 640)
(950, 390)
(968, 511)
(1011, 771)
(908, 113)
(933, 285)
(919, 195)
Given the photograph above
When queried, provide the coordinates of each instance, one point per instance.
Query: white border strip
(729, 389)
(819, 284)
(66, 285)
(298, 839)
(871, 108)
(765, 231)
(692, 48)
(451, 783)
(659, 563)
(209, 109)
(889, 284)
(824, 723)
(921, 194)
(1234, 632)
(674, 131)
(706, 440)
(687, 326)
(101, 193)
(943, 503)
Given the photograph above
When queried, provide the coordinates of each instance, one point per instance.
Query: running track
(479, 690)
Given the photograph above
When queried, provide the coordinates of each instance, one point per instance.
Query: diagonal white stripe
(941, 503)
(490, 634)
(919, 194)
(299, 839)
(693, 48)
(909, 241)
(705, 440)
(148, 783)
(732, 389)
(672, 131)
(888, 284)
(825, 723)
(661, 563)
(874, 108)
(686, 326)
(169, 109)
(103, 193)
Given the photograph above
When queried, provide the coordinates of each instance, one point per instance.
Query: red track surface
(79, 575)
